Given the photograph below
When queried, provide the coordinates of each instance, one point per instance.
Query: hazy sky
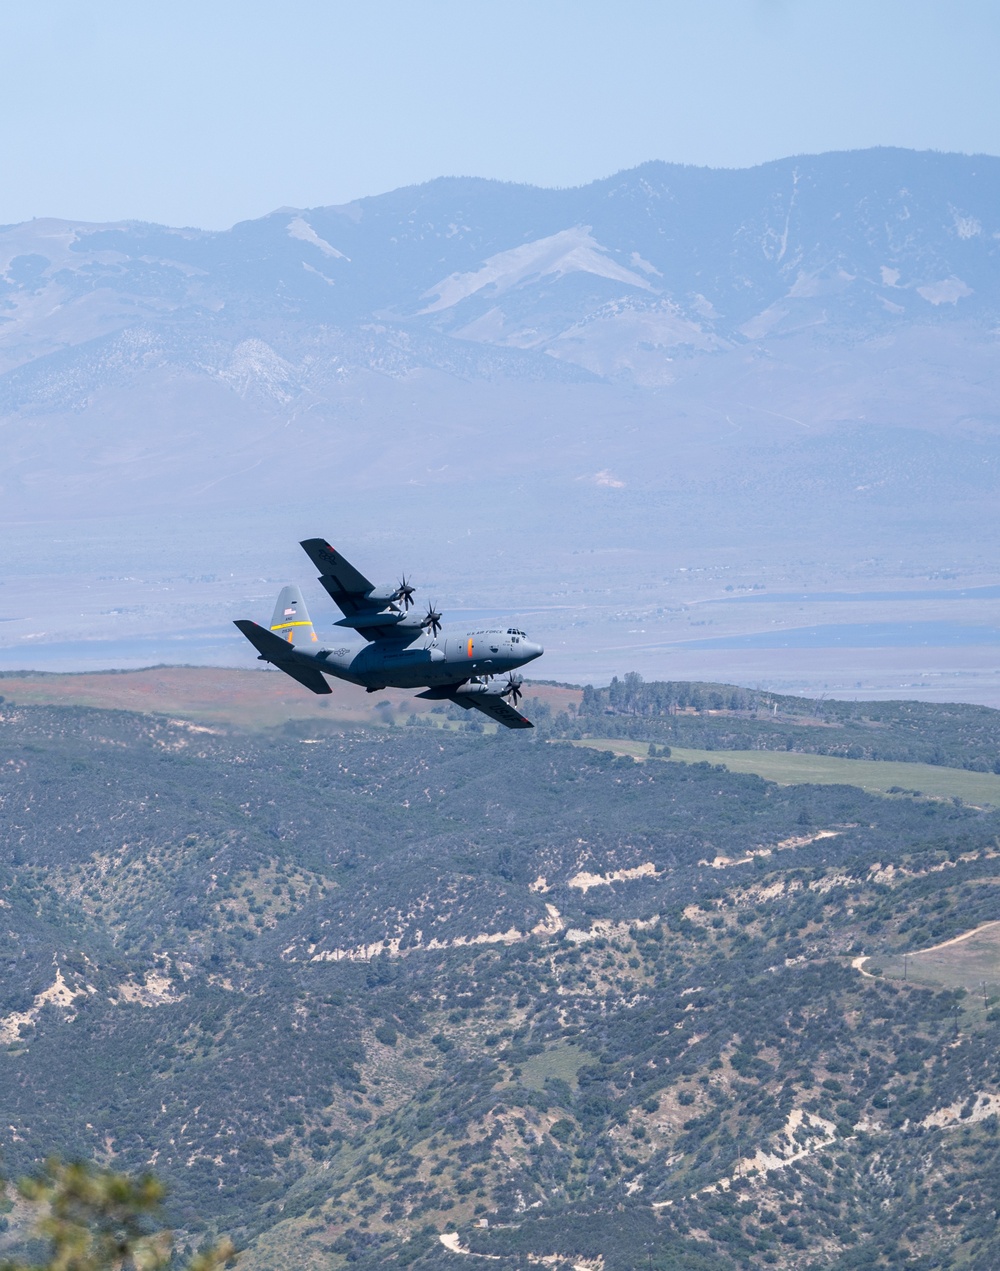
(209, 112)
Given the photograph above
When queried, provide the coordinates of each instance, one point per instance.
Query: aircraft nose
(531, 651)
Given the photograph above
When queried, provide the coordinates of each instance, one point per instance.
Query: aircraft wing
(491, 704)
(501, 710)
(347, 588)
(351, 592)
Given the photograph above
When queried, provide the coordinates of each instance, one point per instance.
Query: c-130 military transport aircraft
(403, 651)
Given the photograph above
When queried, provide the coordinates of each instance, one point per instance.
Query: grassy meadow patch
(874, 775)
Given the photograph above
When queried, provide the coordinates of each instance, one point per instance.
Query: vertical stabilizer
(291, 619)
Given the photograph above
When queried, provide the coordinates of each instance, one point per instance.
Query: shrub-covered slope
(350, 993)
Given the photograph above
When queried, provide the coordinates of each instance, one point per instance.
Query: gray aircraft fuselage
(425, 662)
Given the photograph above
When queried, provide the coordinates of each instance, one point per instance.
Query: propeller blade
(513, 690)
(404, 592)
(432, 620)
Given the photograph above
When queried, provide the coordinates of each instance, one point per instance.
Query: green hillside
(354, 991)
(724, 717)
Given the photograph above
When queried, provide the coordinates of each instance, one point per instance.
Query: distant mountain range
(613, 279)
(787, 373)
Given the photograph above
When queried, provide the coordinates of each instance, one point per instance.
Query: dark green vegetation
(94, 1219)
(724, 717)
(350, 991)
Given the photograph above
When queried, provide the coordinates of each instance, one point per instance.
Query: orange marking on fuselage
(470, 646)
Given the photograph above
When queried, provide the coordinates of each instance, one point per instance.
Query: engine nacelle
(494, 688)
(385, 593)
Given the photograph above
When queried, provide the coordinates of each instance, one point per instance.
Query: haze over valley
(618, 413)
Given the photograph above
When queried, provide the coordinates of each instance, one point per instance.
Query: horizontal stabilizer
(278, 652)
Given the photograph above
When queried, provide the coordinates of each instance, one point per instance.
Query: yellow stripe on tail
(290, 615)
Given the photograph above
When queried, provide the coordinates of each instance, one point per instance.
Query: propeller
(404, 592)
(513, 690)
(432, 620)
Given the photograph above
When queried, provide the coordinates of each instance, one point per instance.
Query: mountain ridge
(731, 373)
(383, 256)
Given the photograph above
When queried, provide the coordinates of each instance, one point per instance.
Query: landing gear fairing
(403, 650)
